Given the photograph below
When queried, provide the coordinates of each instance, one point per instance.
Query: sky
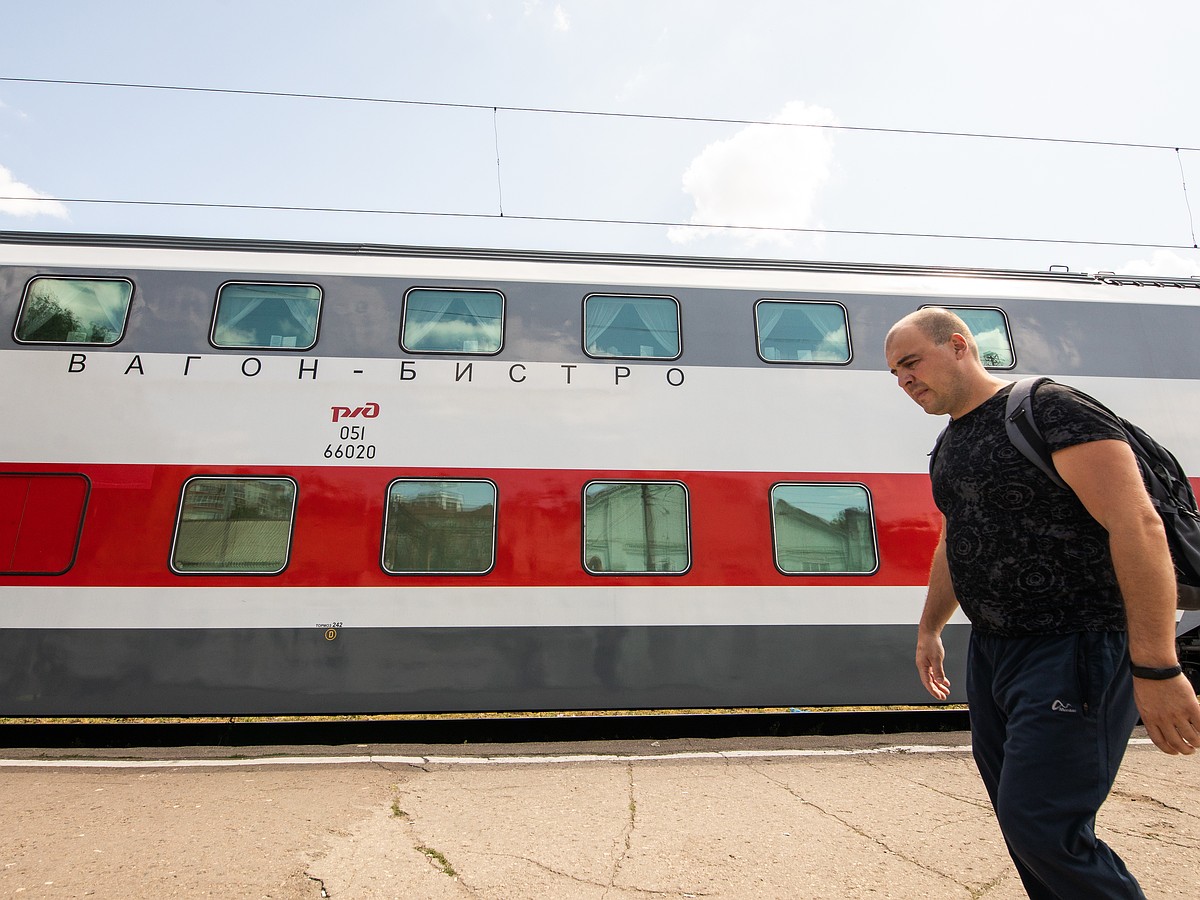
(1018, 134)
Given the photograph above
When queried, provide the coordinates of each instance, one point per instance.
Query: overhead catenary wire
(500, 213)
(658, 223)
(1187, 201)
(710, 120)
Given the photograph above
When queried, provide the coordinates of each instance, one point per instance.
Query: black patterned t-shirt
(1025, 556)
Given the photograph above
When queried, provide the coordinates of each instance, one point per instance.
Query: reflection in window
(241, 525)
(440, 527)
(631, 326)
(267, 315)
(991, 333)
(793, 331)
(74, 310)
(636, 527)
(823, 528)
(445, 321)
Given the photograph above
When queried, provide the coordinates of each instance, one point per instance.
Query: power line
(711, 120)
(1186, 199)
(495, 110)
(183, 204)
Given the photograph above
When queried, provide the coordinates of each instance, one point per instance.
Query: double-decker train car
(245, 478)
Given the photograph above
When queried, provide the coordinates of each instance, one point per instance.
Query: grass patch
(437, 857)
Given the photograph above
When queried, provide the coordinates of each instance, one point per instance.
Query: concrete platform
(897, 816)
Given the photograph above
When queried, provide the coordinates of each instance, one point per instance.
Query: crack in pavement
(1146, 798)
(969, 801)
(593, 882)
(985, 889)
(626, 835)
(860, 832)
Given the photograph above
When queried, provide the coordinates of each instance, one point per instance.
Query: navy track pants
(1051, 717)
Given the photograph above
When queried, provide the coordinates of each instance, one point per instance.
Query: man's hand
(940, 604)
(930, 656)
(1170, 713)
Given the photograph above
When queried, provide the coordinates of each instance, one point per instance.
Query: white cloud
(765, 176)
(562, 22)
(17, 199)
(1165, 263)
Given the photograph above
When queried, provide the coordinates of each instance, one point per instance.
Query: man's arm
(940, 604)
(1105, 477)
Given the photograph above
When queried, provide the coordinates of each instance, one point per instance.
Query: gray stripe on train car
(117, 672)
(361, 319)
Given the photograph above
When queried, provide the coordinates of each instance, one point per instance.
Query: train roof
(329, 248)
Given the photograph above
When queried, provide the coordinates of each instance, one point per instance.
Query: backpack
(1166, 483)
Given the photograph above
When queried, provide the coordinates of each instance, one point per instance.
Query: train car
(243, 477)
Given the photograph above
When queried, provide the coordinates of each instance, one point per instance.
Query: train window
(439, 527)
(73, 310)
(41, 517)
(636, 527)
(631, 327)
(792, 331)
(234, 526)
(990, 328)
(452, 321)
(266, 316)
(823, 528)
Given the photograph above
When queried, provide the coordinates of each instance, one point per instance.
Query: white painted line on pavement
(76, 763)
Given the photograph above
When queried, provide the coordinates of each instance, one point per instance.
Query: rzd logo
(370, 411)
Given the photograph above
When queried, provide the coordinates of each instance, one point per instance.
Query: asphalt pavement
(895, 816)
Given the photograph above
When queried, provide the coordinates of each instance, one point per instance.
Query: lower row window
(243, 525)
(825, 528)
(440, 527)
(41, 516)
(236, 525)
(632, 527)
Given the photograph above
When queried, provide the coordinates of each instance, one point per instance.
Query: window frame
(83, 506)
(822, 574)
(235, 573)
(455, 290)
(60, 277)
(584, 329)
(583, 534)
(758, 348)
(425, 574)
(1012, 345)
(212, 331)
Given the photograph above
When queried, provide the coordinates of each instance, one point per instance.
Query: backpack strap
(1023, 432)
(937, 445)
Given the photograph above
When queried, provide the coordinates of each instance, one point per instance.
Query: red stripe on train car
(130, 520)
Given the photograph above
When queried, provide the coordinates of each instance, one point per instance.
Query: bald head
(937, 324)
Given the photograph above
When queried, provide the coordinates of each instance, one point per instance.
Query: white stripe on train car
(703, 418)
(457, 607)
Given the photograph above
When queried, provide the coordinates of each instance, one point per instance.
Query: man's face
(927, 372)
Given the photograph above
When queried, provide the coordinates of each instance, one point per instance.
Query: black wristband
(1155, 674)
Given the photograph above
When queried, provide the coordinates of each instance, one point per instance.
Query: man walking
(1064, 590)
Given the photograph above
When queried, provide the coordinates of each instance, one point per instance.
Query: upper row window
(452, 321)
(802, 331)
(615, 325)
(990, 328)
(74, 310)
(261, 316)
(265, 315)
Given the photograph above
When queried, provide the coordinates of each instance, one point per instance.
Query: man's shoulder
(1066, 416)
